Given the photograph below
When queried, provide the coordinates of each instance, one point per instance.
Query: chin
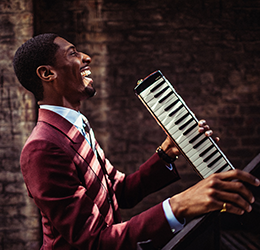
(90, 91)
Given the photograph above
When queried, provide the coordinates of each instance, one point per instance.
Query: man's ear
(46, 73)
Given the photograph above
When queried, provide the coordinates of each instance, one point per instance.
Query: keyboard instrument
(178, 122)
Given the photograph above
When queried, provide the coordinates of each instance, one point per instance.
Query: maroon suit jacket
(65, 180)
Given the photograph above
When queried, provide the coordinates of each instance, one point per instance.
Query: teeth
(86, 73)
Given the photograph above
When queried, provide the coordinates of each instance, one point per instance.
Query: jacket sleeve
(152, 176)
(52, 181)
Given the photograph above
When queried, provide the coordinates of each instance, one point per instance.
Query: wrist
(174, 223)
(177, 209)
(164, 156)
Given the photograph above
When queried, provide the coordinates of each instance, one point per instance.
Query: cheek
(71, 77)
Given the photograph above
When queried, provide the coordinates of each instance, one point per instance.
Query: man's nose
(86, 58)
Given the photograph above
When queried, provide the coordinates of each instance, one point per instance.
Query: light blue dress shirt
(76, 118)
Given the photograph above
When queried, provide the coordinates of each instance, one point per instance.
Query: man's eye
(74, 53)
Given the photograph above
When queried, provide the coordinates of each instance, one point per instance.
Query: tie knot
(90, 137)
(86, 124)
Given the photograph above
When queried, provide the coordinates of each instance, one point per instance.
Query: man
(76, 188)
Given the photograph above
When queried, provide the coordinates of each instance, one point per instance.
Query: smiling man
(66, 83)
(77, 190)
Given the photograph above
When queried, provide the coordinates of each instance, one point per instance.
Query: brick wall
(19, 220)
(209, 50)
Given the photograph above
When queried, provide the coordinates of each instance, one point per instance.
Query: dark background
(208, 49)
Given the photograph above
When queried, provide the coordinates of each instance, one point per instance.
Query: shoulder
(46, 139)
(44, 134)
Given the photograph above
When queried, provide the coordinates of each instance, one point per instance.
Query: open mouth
(86, 73)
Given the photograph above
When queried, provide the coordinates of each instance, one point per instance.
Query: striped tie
(90, 137)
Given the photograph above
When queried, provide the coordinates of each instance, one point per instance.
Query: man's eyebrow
(71, 47)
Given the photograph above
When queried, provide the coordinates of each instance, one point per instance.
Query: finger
(202, 123)
(209, 133)
(234, 186)
(237, 192)
(235, 200)
(216, 139)
(239, 175)
(230, 208)
(204, 128)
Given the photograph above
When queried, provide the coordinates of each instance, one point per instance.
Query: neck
(64, 103)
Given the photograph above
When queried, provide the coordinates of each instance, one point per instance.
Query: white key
(181, 112)
(184, 120)
(221, 162)
(164, 113)
(188, 148)
(169, 101)
(165, 118)
(168, 91)
(166, 102)
(184, 140)
(226, 169)
(177, 105)
(176, 128)
(157, 108)
(206, 144)
(201, 165)
(156, 105)
(193, 158)
(177, 134)
(193, 133)
(147, 94)
(152, 102)
(155, 92)
(147, 98)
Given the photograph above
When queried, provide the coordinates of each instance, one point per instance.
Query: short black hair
(37, 51)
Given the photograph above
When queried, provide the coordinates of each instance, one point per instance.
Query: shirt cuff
(175, 225)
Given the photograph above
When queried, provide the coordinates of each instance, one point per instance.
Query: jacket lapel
(87, 164)
(77, 141)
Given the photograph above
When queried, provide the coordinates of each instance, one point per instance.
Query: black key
(171, 105)
(195, 138)
(182, 118)
(176, 110)
(211, 155)
(164, 98)
(189, 129)
(186, 124)
(200, 142)
(157, 86)
(215, 161)
(222, 168)
(206, 150)
(161, 92)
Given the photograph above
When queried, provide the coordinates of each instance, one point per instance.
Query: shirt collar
(73, 116)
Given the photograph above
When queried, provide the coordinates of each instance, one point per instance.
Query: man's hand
(211, 193)
(170, 148)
